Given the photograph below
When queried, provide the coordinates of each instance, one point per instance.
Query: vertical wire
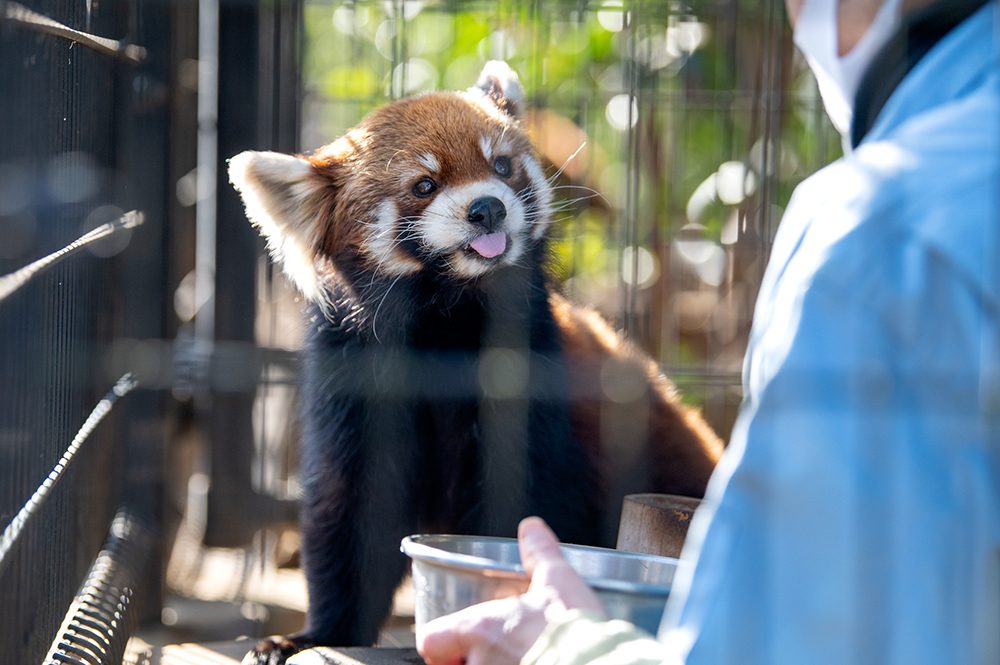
(205, 222)
(64, 377)
(399, 50)
(635, 126)
(771, 124)
(627, 235)
(667, 335)
(263, 283)
(582, 117)
(752, 220)
(653, 231)
(207, 150)
(205, 219)
(716, 395)
(538, 36)
(643, 115)
(262, 400)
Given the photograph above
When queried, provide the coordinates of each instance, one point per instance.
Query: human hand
(500, 632)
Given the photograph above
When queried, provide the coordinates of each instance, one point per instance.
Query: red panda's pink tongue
(490, 244)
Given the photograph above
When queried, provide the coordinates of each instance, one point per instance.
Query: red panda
(446, 385)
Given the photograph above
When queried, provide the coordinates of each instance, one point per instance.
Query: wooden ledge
(230, 653)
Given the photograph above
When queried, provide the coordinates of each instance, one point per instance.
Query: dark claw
(275, 650)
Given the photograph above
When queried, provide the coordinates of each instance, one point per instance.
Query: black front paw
(275, 650)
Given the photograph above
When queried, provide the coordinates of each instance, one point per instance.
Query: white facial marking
(444, 228)
(486, 145)
(383, 241)
(541, 217)
(467, 266)
(430, 161)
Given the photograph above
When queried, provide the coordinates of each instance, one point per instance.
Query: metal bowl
(454, 572)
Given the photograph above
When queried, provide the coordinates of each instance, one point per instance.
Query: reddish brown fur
(685, 448)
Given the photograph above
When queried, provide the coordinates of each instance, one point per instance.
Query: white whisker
(375, 315)
(566, 163)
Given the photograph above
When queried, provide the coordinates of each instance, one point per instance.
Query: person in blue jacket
(855, 516)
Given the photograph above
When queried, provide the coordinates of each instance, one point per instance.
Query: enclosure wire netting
(70, 88)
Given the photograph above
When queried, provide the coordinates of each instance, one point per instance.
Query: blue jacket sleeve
(854, 517)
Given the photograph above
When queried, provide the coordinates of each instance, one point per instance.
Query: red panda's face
(444, 178)
(444, 181)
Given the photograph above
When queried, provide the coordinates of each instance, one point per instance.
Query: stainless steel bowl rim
(417, 550)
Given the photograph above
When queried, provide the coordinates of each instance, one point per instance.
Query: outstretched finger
(538, 544)
(549, 570)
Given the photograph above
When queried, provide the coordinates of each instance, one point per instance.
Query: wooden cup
(655, 523)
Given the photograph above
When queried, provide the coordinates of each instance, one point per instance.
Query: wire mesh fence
(82, 105)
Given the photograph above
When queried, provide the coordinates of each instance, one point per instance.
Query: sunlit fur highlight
(279, 192)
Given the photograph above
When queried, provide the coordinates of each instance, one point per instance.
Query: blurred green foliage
(725, 122)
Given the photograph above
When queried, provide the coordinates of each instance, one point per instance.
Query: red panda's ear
(283, 195)
(500, 83)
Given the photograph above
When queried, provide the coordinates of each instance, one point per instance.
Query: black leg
(357, 506)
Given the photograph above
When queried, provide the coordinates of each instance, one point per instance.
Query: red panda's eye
(502, 167)
(424, 188)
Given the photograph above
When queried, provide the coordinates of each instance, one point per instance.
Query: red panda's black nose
(487, 212)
